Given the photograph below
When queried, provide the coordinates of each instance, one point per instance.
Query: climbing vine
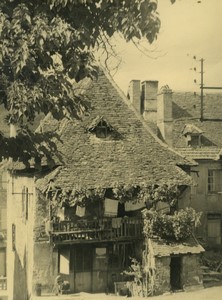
(178, 226)
(70, 198)
(149, 195)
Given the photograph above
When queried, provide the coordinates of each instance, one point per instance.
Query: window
(25, 203)
(101, 130)
(2, 262)
(3, 219)
(214, 181)
(193, 135)
(194, 141)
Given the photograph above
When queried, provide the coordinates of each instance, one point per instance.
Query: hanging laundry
(116, 222)
(61, 213)
(131, 206)
(110, 207)
(80, 211)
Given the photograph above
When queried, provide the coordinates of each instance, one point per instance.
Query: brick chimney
(149, 100)
(134, 94)
(164, 115)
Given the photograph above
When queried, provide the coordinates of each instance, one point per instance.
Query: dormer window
(102, 129)
(192, 135)
(194, 140)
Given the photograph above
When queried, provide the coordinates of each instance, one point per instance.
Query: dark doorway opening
(175, 273)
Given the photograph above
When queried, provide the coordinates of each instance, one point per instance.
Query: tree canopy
(45, 44)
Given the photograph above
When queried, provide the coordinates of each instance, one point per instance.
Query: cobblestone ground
(213, 293)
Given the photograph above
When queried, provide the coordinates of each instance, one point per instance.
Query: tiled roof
(138, 157)
(212, 153)
(186, 110)
(162, 247)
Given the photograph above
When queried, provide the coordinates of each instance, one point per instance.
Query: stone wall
(45, 266)
(162, 279)
(192, 273)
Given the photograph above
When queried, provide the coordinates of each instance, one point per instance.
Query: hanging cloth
(110, 207)
(61, 213)
(116, 222)
(80, 211)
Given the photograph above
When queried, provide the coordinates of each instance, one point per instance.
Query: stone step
(204, 268)
(212, 274)
(212, 283)
(208, 279)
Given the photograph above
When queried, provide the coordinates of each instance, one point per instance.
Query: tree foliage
(46, 43)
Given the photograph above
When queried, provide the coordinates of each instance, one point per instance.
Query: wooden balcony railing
(97, 230)
(3, 283)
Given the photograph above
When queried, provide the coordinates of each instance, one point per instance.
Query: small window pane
(101, 131)
(214, 181)
(3, 262)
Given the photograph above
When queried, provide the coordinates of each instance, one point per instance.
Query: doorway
(89, 265)
(175, 273)
(83, 257)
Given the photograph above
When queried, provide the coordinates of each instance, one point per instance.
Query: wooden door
(83, 257)
(100, 267)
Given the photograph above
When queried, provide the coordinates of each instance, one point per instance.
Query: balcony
(86, 231)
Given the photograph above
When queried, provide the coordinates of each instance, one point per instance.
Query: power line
(202, 88)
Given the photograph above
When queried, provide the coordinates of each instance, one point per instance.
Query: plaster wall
(200, 198)
(191, 274)
(45, 257)
(20, 236)
(3, 227)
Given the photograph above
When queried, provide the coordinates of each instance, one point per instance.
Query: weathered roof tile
(138, 157)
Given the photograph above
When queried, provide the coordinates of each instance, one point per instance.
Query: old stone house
(175, 265)
(175, 118)
(79, 218)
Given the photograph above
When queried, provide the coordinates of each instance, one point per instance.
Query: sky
(188, 29)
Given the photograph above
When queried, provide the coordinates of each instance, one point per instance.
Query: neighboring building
(4, 269)
(3, 235)
(3, 218)
(72, 219)
(175, 118)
